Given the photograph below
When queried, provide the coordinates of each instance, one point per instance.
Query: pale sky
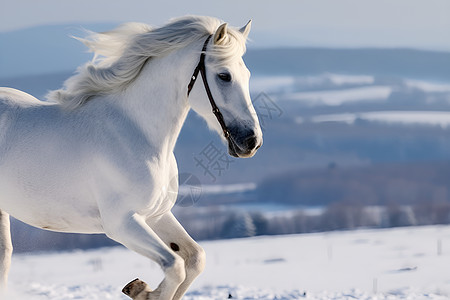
(423, 24)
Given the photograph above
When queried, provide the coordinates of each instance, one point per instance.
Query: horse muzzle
(243, 144)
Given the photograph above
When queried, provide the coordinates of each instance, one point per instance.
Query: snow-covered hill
(404, 263)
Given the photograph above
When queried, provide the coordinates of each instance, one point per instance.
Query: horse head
(226, 80)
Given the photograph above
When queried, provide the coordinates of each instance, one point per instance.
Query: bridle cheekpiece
(202, 69)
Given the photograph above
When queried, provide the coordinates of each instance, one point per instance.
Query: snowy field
(404, 263)
(432, 118)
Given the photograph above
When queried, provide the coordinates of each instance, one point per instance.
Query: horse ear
(246, 29)
(221, 34)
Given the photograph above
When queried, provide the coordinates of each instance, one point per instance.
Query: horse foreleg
(5, 249)
(175, 236)
(134, 233)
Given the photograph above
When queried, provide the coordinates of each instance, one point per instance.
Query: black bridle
(202, 69)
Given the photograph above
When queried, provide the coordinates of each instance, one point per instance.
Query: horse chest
(164, 192)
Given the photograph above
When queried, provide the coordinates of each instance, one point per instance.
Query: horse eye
(225, 77)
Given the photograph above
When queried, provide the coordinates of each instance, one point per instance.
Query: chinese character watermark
(213, 161)
(266, 109)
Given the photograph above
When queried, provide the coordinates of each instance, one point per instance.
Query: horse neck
(157, 99)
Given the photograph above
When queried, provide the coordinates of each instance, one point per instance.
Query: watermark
(213, 161)
(189, 190)
(266, 109)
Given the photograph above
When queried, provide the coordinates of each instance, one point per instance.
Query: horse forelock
(120, 54)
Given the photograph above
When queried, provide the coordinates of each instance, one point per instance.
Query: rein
(202, 69)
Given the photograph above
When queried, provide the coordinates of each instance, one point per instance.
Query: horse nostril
(259, 146)
(250, 142)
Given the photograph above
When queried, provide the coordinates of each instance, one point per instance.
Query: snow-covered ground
(339, 97)
(329, 89)
(271, 84)
(404, 263)
(431, 118)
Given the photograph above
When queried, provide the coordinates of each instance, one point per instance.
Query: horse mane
(120, 55)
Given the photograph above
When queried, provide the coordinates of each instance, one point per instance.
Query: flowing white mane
(120, 54)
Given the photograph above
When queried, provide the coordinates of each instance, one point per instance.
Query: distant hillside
(384, 62)
(382, 184)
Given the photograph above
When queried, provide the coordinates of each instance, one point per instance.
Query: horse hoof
(137, 290)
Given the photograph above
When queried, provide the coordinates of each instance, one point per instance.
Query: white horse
(98, 156)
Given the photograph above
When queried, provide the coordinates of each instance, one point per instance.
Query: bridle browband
(202, 69)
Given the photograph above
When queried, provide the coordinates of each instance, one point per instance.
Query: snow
(219, 189)
(342, 96)
(403, 263)
(332, 89)
(287, 83)
(429, 87)
(434, 118)
(271, 83)
(335, 79)
(341, 79)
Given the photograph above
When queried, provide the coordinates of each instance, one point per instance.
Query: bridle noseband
(202, 69)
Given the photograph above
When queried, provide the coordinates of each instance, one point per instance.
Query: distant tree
(400, 215)
(302, 222)
(343, 215)
(441, 213)
(238, 225)
(261, 223)
(433, 212)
